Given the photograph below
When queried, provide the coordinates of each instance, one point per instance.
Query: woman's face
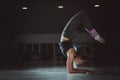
(78, 60)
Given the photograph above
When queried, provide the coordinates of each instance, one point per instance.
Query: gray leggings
(75, 23)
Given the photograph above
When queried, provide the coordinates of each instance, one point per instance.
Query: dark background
(43, 17)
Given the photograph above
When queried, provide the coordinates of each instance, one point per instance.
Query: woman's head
(78, 60)
(80, 57)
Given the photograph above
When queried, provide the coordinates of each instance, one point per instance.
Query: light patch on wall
(60, 6)
(96, 5)
(25, 8)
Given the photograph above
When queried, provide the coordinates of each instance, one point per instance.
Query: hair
(81, 53)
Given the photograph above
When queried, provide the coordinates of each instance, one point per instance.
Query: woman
(69, 33)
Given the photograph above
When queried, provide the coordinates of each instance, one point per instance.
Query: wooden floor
(53, 71)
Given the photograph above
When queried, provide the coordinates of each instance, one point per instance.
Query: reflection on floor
(55, 71)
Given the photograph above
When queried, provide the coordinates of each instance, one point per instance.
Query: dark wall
(7, 24)
(43, 16)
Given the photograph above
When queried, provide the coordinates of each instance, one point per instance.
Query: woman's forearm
(83, 71)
